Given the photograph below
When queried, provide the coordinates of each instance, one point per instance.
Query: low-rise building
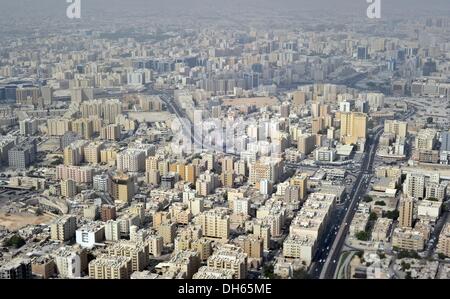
(408, 239)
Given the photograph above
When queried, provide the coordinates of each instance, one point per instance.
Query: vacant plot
(15, 222)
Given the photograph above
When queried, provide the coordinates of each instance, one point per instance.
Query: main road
(358, 191)
(328, 269)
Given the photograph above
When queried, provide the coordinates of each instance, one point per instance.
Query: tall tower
(406, 212)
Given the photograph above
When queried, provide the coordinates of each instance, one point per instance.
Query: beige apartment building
(64, 228)
(92, 152)
(406, 210)
(443, 245)
(215, 223)
(122, 188)
(353, 127)
(408, 239)
(138, 252)
(230, 257)
(110, 267)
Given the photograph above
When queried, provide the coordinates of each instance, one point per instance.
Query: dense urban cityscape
(261, 144)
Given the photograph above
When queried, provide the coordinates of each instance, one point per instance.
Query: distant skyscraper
(363, 53)
(445, 142)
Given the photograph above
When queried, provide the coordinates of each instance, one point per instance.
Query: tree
(442, 256)
(380, 203)
(405, 266)
(368, 198)
(301, 274)
(362, 236)
(39, 212)
(225, 196)
(373, 216)
(392, 214)
(268, 271)
(432, 199)
(408, 254)
(15, 241)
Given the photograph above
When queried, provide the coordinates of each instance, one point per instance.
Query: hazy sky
(100, 8)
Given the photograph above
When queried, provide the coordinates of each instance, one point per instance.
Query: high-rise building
(306, 144)
(47, 95)
(230, 257)
(399, 128)
(6, 144)
(426, 139)
(16, 269)
(299, 98)
(79, 174)
(74, 153)
(252, 246)
(107, 110)
(108, 212)
(102, 182)
(22, 155)
(112, 230)
(28, 127)
(353, 127)
(443, 245)
(110, 132)
(167, 231)
(64, 228)
(414, 185)
(43, 267)
(265, 169)
(445, 141)
(363, 52)
(92, 152)
(110, 267)
(155, 245)
(90, 234)
(406, 210)
(215, 223)
(436, 190)
(68, 188)
(68, 138)
(28, 95)
(58, 127)
(301, 182)
(137, 251)
(122, 188)
(190, 173)
(70, 262)
(132, 160)
(83, 127)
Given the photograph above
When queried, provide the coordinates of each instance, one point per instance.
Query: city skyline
(224, 140)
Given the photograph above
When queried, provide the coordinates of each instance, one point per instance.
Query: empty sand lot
(15, 222)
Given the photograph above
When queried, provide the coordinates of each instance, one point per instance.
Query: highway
(359, 188)
(328, 269)
(168, 98)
